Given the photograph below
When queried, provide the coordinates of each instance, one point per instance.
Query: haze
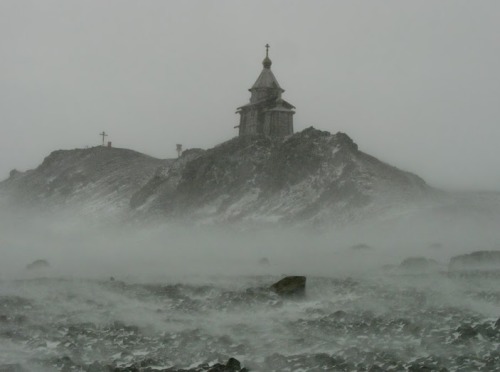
(416, 84)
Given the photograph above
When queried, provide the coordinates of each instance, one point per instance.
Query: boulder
(290, 286)
(232, 365)
(476, 260)
(37, 265)
(264, 261)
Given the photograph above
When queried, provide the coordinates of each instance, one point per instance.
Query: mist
(386, 235)
(89, 247)
(192, 288)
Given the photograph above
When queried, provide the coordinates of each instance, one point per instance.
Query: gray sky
(416, 84)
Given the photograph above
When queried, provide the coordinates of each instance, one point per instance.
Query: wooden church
(267, 113)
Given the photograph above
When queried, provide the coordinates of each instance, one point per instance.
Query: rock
(497, 324)
(37, 265)
(339, 314)
(466, 332)
(264, 261)
(290, 286)
(476, 260)
(233, 365)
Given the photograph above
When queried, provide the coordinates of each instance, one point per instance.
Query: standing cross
(267, 50)
(103, 134)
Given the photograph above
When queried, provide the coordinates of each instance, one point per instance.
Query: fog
(413, 83)
(177, 295)
(93, 247)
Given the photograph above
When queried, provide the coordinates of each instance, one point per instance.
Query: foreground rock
(197, 327)
(290, 286)
(232, 365)
(486, 260)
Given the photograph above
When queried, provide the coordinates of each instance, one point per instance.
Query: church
(267, 113)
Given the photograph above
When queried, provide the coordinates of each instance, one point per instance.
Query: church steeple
(267, 61)
(266, 86)
(267, 113)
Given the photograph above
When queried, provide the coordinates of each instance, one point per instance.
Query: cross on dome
(267, 62)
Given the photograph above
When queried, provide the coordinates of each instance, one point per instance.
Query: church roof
(277, 103)
(266, 79)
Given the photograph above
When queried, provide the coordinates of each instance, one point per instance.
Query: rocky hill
(310, 177)
(97, 179)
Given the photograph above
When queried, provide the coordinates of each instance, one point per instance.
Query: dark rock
(264, 261)
(38, 264)
(360, 247)
(339, 314)
(497, 324)
(476, 260)
(290, 286)
(233, 365)
(467, 332)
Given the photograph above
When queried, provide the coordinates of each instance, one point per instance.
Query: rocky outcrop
(97, 179)
(37, 265)
(476, 260)
(290, 286)
(311, 176)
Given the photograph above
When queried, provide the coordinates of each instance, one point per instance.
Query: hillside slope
(98, 179)
(311, 176)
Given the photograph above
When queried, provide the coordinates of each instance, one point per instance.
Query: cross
(103, 134)
(267, 50)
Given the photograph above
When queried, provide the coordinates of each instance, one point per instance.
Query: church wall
(249, 122)
(270, 123)
(278, 123)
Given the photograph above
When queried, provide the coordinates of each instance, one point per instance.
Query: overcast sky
(416, 84)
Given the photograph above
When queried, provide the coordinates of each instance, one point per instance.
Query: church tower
(267, 113)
